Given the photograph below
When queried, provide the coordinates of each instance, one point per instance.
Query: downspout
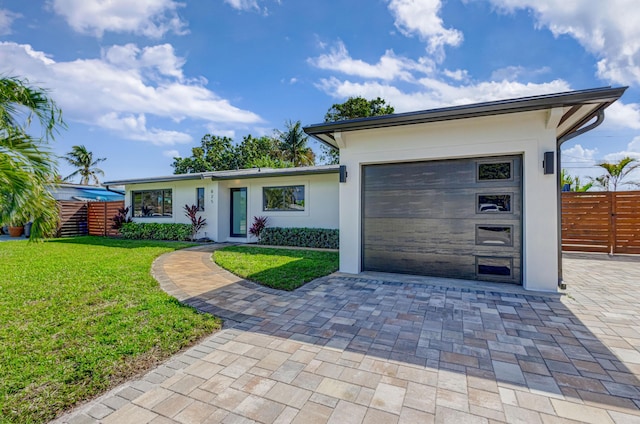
(599, 120)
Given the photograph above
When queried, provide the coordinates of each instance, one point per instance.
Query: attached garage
(451, 218)
(466, 192)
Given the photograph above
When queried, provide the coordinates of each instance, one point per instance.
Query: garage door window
(494, 235)
(494, 267)
(495, 171)
(494, 203)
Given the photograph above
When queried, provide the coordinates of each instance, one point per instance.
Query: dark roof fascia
(165, 179)
(524, 104)
(233, 175)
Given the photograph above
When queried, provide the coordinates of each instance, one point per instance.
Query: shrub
(121, 218)
(258, 226)
(301, 237)
(156, 231)
(197, 222)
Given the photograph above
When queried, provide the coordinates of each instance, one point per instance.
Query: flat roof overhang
(234, 174)
(578, 108)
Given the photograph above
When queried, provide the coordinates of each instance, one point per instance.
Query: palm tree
(616, 173)
(293, 145)
(26, 164)
(574, 182)
(82, 159)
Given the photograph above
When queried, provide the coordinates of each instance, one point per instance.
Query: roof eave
(324, 131)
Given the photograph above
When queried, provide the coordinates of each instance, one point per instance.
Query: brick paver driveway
(384, 349)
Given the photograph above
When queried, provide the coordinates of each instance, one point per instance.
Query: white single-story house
(467, 192)
(229, 200)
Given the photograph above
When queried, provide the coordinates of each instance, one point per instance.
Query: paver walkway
(381, 348)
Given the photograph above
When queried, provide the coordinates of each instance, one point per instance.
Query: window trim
(480, 243)
(510, 211)
(198, 204)
(163, 214)
(496, 277)
(494, 161)
(304, 192)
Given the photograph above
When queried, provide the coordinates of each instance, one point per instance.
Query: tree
(358, 107)
(26, 164)
(354, 107)
(214, 154)
(82, 159)
(616, 173)
(574, 183)
(293, 145)
(220, 154)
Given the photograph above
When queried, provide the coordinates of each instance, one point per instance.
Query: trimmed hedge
(300, 237)
(156, 231)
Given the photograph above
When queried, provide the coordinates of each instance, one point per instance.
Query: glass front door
(238, 212)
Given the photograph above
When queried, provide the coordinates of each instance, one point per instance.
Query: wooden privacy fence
(73, 218)
(607, 222)
(82, 218)
(99, 218)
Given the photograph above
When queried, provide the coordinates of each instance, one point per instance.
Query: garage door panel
(439, 218)
(458, 203)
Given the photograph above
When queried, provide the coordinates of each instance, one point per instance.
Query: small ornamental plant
(120, 218)
(259, 224)
(197, 222)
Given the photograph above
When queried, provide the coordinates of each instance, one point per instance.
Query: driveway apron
(383, 348)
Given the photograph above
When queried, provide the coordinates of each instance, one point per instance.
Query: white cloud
(245, 5)
(623, 115)
(134, 127)
(171, 154)
(250, 5)
(514, 73)
(119, 91)
(421, 17)
(6, 20)
(151, 18)
(609, 29)
(389, 67)
(432, 93)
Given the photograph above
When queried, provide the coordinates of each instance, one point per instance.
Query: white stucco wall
(183, 193)
(321, 203)
(521, 133)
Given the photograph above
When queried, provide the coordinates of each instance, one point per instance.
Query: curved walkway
(381, 348)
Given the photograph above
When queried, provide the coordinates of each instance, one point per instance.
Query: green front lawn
(284, 269)
(78, 316)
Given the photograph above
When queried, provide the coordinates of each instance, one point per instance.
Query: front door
(238, 212)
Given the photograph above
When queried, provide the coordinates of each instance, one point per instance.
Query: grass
(283, 269)
(78, 316)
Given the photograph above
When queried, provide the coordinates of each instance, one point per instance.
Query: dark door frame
(231, 203)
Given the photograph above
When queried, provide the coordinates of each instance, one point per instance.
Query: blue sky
(142, 81)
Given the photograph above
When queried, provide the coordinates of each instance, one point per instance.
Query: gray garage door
(450, 218)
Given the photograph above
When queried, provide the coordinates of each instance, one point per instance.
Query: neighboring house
(86, 193)
(229, 200)
(466, 192)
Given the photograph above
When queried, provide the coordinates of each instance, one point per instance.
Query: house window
(152, 203)
(200, 198)
(495, 171)
(285, 198)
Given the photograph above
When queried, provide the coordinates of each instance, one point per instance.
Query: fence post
(610, 230)
(613, 229)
